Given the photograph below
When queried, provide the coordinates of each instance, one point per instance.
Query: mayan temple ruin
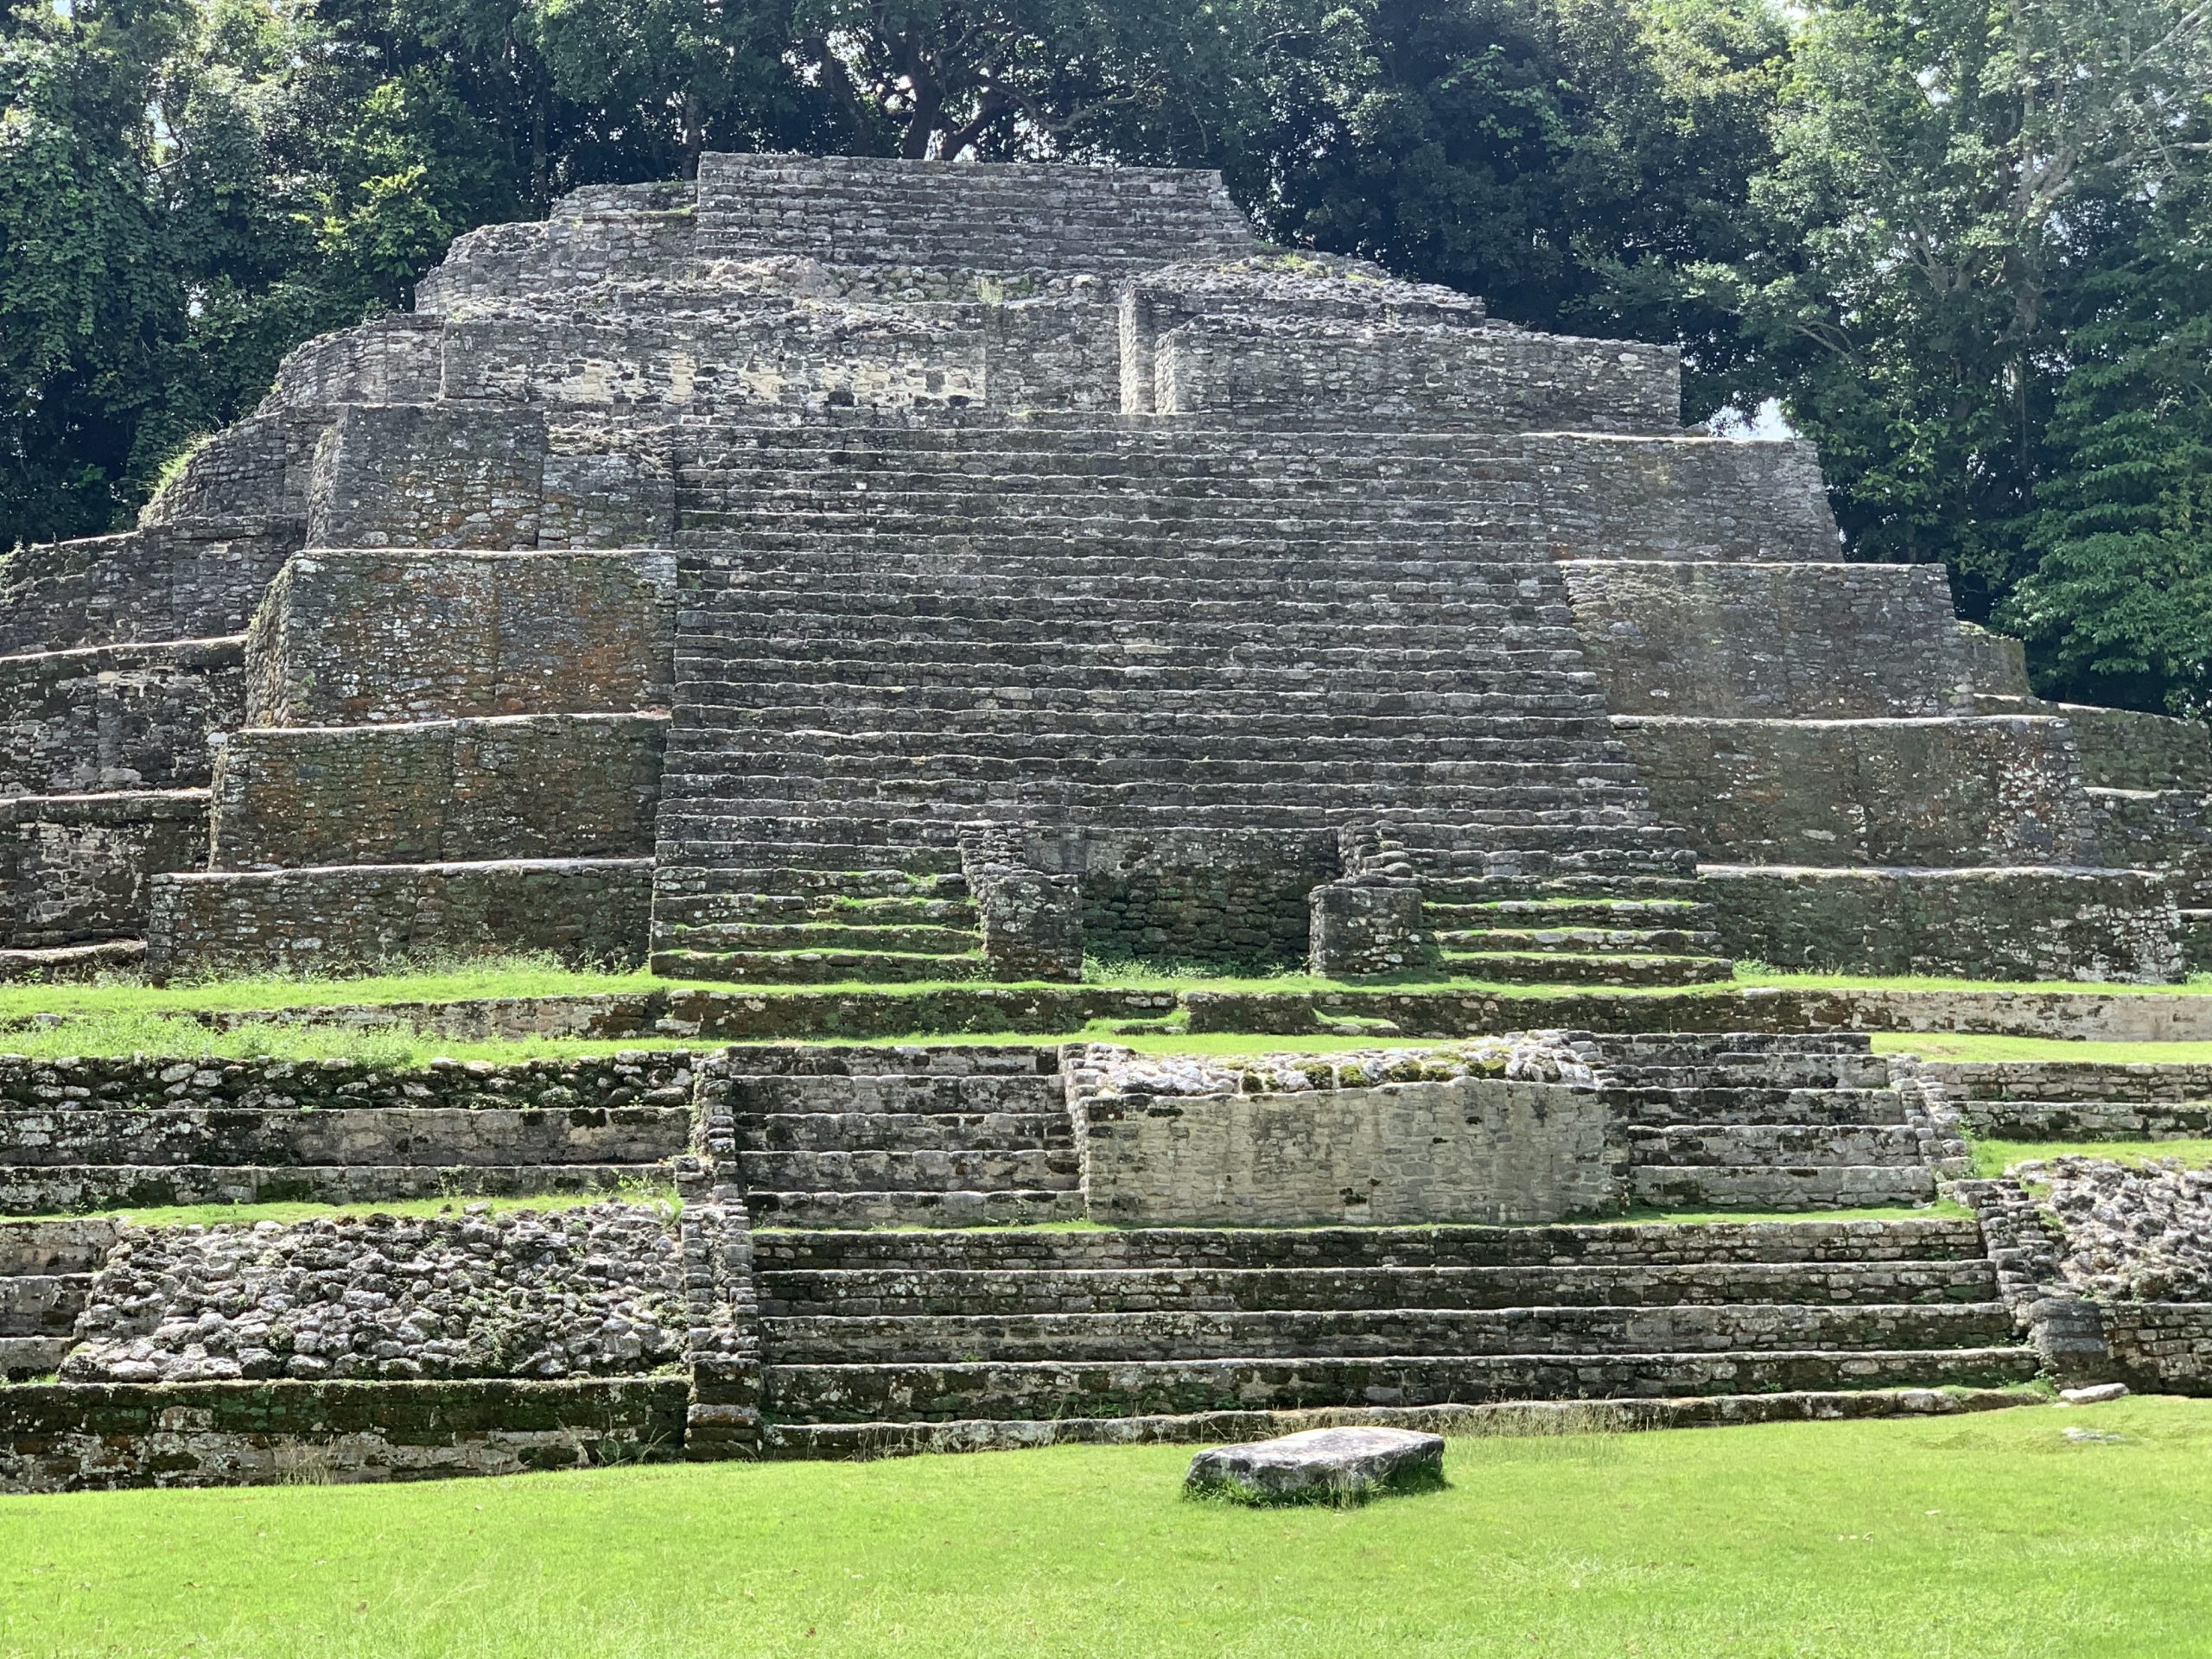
(849, 570)
(917, 580)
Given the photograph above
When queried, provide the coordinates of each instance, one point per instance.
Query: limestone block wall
(58, 1438)
(2124, 749)
(1682, 497)
(356, 638)
(1471, 1149)
(586, 912)
(2161, 1347)
(581, 244)
(766, 356)
(597, 1290)
(76, 868)
(1798, 641)
(1925, 792)
(656, 1078)
(526, 786)
(2021, 922)
(1240, 367)
(388, 359)
(135, 716)
(1223, 895)
(193, 581)
(259, 469)
(2067, 1100)
(859, 210)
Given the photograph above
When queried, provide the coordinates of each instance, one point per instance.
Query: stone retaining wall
(588, 913)
(61, 1438)
(526, 786)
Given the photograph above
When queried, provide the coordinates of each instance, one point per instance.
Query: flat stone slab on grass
(1321, 1465)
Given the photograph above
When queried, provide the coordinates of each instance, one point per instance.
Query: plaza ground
(1986, 1536)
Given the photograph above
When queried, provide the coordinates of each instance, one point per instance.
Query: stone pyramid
(845, 569)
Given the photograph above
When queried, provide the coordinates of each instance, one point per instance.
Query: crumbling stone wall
(2033, 923)
(64, 1438)
(1248, 368)
(110, 717)
(537, 1293)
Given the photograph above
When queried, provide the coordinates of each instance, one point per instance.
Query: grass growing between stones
(1987, 1536)
(1996, 1157)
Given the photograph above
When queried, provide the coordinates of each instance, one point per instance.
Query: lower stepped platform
(913, 1327)
(73, 1157)
(45, 1275)
(1522, 916)
(805, 926)
(1791, 1121)
(853, 1138)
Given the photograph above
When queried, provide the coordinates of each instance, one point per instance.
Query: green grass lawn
(1982, 1537)
(1944, 1046)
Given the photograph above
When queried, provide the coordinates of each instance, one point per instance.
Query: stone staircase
(892, 1137)
(863, 1331)
(1754, 1121)
(46, 1273)
(127, 1133)
(1112, 632)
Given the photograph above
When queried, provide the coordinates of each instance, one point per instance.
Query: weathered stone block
(1321, 1465)
(1831, 793)
(1369, 924)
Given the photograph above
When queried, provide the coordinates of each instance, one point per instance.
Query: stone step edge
(1504, 1418)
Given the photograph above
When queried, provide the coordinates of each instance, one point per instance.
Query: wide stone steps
(896, 1293)
(954, 1166)
(803, 910)
(1294, 1333)
(1754, 1104)
(1545, 968)
(1835, 1187)
(816, 967)
(1543, 914)
(1609, 1245)
(906, 1131)
(1469, 730)
(825, 936)
(78, 1135)
(1796, 1145)
(910, 1207)
(838, 761)
(1016, 1390)
(836, 1095)
(738, 843)
(1780, 1069)
(1581, 941)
